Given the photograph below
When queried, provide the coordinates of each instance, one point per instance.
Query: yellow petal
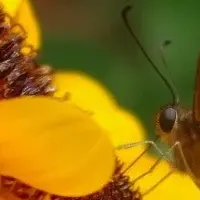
(26, 17)
(53, 146)
(22, 12)
(11, 6)
(90, 95)
(84, 91)
(177, 186)
(121, 126)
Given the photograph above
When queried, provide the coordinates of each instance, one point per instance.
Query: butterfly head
(166, 121)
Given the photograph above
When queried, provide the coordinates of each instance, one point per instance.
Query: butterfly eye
(167, 119)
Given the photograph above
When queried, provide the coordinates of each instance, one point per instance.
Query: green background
(114, 58)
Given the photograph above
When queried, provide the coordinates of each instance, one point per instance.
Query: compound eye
(167, 119)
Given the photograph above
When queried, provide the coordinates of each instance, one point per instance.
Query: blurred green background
(90, 36)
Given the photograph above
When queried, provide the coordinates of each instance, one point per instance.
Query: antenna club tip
(126, 9)
(166, 43)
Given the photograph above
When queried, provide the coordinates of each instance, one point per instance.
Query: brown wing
(196, 105)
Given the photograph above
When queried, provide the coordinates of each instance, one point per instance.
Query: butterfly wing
(196, 104)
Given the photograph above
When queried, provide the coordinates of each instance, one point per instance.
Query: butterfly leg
(177, 145)
(150, 144)
(158, 183)
(152, 168)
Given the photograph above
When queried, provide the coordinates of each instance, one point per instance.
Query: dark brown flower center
(119, 188)
(19, 73)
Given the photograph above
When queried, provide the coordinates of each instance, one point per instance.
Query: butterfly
(179, 127)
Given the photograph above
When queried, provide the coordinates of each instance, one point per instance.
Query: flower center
(19, 73)
(119, 188)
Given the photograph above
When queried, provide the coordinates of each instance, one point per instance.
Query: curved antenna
(170, 87)
(163, 45)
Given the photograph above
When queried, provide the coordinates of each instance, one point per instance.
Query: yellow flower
(123, 127)
(48, 144)
(37, 135)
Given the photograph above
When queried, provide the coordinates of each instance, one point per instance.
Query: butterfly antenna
(162, 55)
(170, 87)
